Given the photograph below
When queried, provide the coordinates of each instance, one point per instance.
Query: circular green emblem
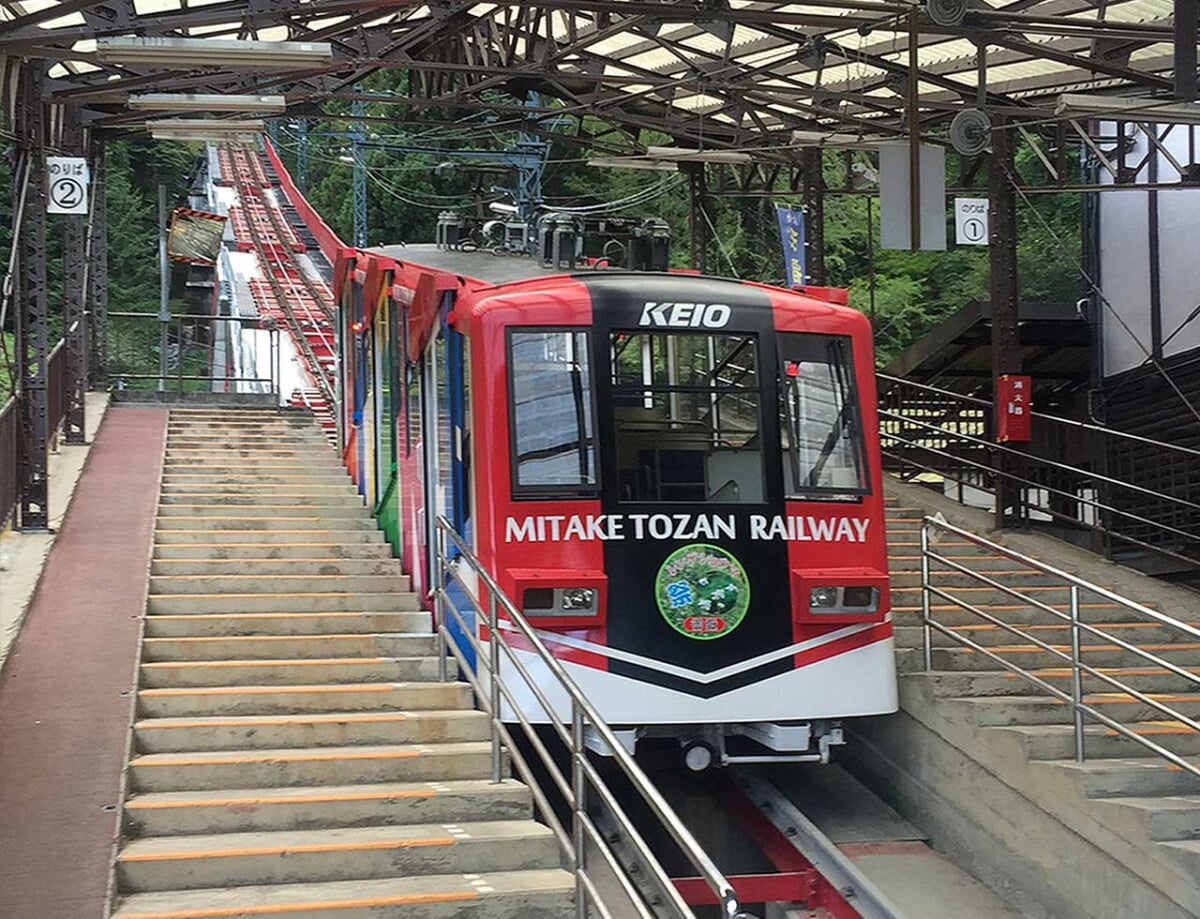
(702, 591)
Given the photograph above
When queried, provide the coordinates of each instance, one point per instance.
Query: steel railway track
(277, 264)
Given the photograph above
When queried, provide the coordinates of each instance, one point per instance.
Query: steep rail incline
(286, 293)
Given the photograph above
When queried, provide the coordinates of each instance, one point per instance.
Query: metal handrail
(1056, 419)
(1114, 523)
(494, 695)
(1076, 585)
(1098, 505)
(270, 384)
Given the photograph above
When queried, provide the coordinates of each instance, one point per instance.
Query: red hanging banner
(1014, 398)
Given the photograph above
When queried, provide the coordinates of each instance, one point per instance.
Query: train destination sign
(788, 527)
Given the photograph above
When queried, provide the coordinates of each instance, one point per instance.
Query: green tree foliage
(907, 293)
(135, 167)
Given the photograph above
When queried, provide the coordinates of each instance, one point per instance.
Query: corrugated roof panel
(653, 60)
(705, 42)
(1151, 51)
(62, 22)
(150, 7)
(33, 6)
(1139, 10)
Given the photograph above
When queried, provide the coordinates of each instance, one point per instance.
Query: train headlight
(578, 599)
(560, 601)
(823, 597)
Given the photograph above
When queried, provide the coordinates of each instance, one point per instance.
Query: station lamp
(215, 53)
(208, 129)
(1118, 108)
(208, 102)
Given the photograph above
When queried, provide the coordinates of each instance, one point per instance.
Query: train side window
(553, 447)
(824, 455)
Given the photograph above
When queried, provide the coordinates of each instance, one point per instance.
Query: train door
(384, 413)
(447, 439)
(358, 355)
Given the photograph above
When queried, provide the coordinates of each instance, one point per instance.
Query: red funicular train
(676, 478)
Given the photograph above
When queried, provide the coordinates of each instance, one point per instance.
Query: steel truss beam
(456, 55)
(33, 336)
(74, 313)
(97, 265)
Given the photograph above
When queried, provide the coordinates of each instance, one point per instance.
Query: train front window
(553, 437)
(820, 418)
(687, 417)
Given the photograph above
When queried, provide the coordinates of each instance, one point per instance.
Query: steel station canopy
(710, 74)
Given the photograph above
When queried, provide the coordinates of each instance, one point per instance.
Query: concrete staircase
(293, 752)
(1127, 830)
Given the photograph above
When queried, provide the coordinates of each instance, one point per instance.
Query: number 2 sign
(67, 185)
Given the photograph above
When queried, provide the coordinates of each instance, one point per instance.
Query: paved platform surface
(65, 691)
(23, 555)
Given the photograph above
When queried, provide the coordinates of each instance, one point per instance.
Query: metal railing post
(1076, 674)
(578, 807)
(494, 683)
(439, 601)
(926, 630)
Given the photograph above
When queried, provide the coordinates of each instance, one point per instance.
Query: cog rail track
(279, 264)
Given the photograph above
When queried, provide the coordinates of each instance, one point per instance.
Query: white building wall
(1124, 242)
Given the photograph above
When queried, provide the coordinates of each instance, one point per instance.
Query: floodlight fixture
(208, 102)
(1124, 108)
(632, 162)
(835, 140)
(690, 155)
(231, 131)
(215, 53)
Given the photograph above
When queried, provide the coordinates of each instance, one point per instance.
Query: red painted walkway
(66, 686)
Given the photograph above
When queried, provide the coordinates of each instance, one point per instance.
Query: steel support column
(302, 154)
(812, 168)
(74, 278)
(33, 336)
(359, 177)
(698, 216)
(97, 267)
(1002, 243)
(1187, 18)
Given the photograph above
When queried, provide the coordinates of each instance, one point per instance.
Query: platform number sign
(971, 221)
(67, 185)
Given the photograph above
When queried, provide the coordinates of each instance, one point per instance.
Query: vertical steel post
(578, 806)
(1076, 674)
(359, 179)
(913, 121)
(813, 172)
(926, 630)
(494, 682)
(439, 600)
(97, 268)
(1187, 15)
(302, 154)
(74, 281)
(164, 290)
(1002, 252)
(698, 216)
(33, 337)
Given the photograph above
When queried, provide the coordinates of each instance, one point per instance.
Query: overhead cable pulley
(970, 132)
(946, 12)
